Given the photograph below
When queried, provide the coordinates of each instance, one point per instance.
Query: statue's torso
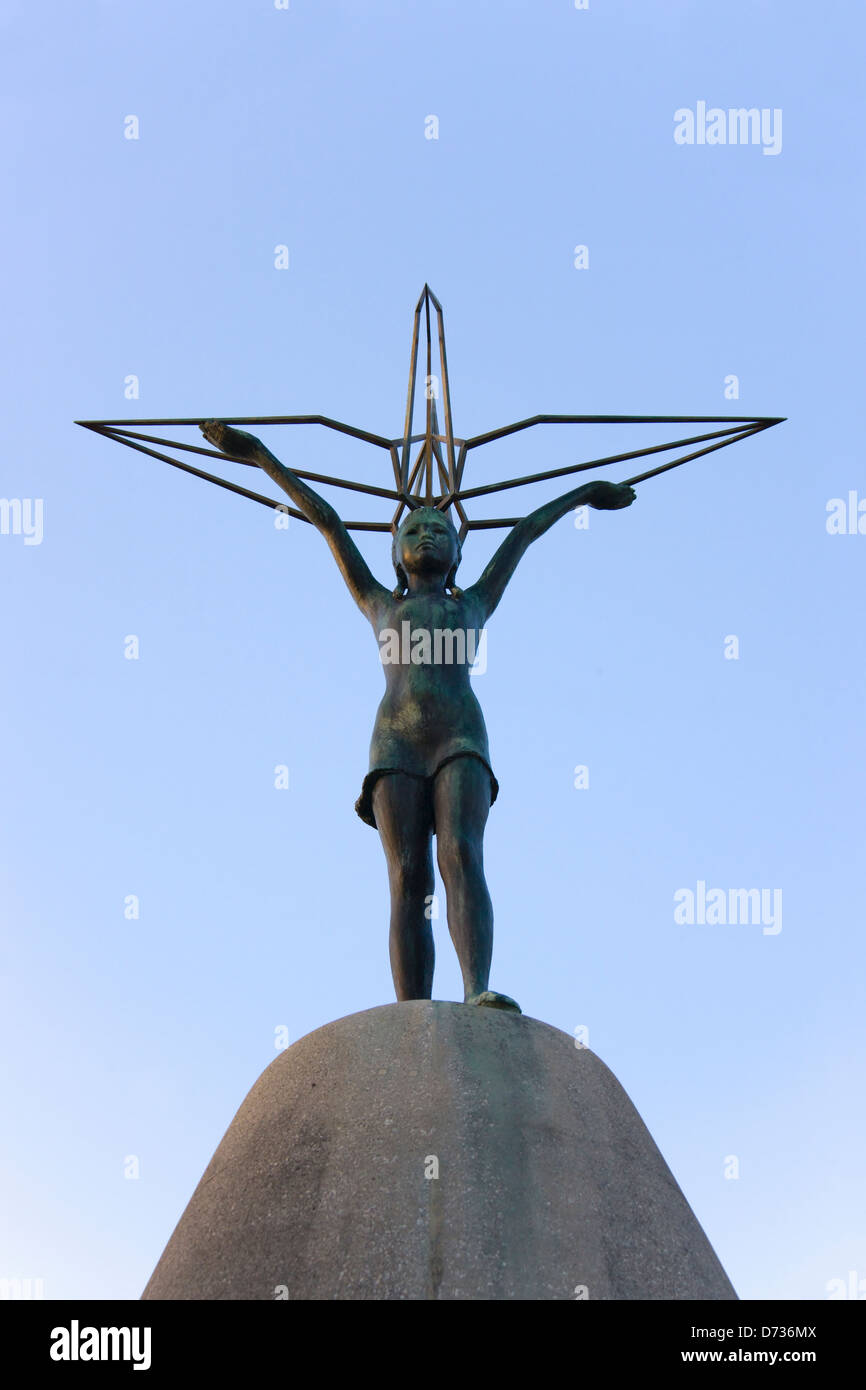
(429, 711)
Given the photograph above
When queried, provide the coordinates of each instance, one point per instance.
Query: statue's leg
(401, 806)
(461, 802)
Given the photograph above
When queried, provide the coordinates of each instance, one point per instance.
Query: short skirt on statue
(364, 804)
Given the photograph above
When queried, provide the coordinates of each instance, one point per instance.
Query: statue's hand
(231, 441)
(609, 497)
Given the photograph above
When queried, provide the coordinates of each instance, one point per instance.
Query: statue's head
(425, 543)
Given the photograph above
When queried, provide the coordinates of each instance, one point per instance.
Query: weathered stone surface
(548, 1180)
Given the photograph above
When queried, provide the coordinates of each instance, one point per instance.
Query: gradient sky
(263, 909)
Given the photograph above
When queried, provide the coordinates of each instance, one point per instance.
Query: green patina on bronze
(430, 772)
(430, 768)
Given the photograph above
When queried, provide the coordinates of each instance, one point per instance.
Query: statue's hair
(402, 577)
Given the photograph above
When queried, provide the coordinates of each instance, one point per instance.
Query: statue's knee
(459, 854)
(411, 878)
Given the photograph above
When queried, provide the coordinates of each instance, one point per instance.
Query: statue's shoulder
(385, 611)
(469, 605)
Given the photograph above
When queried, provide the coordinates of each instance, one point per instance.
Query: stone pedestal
(433, 1150)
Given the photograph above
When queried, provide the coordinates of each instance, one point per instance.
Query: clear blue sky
(262, 908)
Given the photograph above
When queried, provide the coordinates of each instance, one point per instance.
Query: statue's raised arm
(246, 448)
(599, 494)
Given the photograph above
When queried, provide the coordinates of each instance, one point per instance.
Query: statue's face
(427, 543)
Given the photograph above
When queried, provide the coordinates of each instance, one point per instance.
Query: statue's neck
(421, 587)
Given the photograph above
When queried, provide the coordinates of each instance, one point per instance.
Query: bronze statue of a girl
(430, 770)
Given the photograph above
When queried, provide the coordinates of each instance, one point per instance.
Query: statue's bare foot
(491, 1000)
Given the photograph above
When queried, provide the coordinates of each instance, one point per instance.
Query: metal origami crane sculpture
(435, 477)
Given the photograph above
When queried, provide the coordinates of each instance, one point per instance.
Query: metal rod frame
(413, 480)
